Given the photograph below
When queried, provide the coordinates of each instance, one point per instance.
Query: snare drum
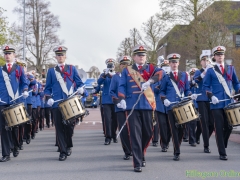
(15, 115)
(233, 113)
(72, 108)
(185, 111)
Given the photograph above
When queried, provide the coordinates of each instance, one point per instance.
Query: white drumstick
(58, 100)
(20, 96)
(222, 100)
(189, 96)
(75, 92)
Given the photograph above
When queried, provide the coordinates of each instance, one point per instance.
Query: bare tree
(41, 31)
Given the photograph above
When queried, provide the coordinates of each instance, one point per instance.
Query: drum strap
(9, 86)
(223, 82)
(62, 83)
(176, 89)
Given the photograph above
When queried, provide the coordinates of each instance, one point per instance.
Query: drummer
(59, 85)
(206, 119)
(176, 82)
(219, 82)
(17, 80)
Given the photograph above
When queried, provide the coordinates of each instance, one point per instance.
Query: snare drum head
(182, 103)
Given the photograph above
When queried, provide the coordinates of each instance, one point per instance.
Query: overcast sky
(93, 29)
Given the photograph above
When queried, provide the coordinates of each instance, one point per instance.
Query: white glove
(93, 91)
(145, 85)
(193, 82)
(122, 104)
(107, 71)
(203, 74)
(194, 96)
(112, 73)
(166, 102)
(80, 90)
(25, 94)
(215, 100)
(50, 102)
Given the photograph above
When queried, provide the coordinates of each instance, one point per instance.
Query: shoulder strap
(223, 82)
(9, 86)
(176, 88)
(61, 82)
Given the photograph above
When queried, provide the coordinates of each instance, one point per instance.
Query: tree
(41, 31)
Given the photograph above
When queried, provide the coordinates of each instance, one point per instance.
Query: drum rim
(12, 106)
(64, 100)
(184, 102)
(231, 105)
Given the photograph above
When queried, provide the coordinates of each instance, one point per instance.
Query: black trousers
(9, 138)
(198, 130)
(155, 133)
(140, 127)
(206, 120)
(47, 115)
(41, 118)
(69, 130)
(110, 120)
(124, 136)
(176, 131)
(102, 116)
(191, 127)
(60, 130)
(21, 134)
(164, 129)
(222, 129)
(28, 126)
(34, 121)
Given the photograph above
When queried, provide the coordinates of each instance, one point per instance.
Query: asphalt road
(93, 160)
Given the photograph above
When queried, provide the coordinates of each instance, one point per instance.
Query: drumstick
(235, 95)
(222, 100)
(58, 100)
(20, 96)
(189, 96)
(75, 92)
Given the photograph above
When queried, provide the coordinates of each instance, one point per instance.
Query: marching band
(142, 100)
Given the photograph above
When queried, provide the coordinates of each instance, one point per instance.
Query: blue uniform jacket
(18, 82)
(34, 95)
(213, 87)
(167, 90)
(113, 91)
(106, 81)
(198, 79)
(53, 86)
(32, 82)
(194, 89)
(39, 103)
(159, 104)
(129, 90)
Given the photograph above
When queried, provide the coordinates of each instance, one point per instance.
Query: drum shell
(184, 112)
(16, 115)
(232, 112)
(72, 108)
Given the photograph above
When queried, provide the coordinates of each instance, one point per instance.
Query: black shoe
(115, 140)
(155, 144)
(193, 145)
(107, 141)
(37, 131)
(143, 163)
(21, 147)
(69, 151)
(62, 157)
(138, 169)
(176, 158)
(11, 150)
(33, 136)
(126, 157)
(198, 141)
(185, 140)
(223, 158)
(164, 149)
(15, 152)
(5, 159)
(131, 154)
(28, 141)
(207, 150)
(167, 147)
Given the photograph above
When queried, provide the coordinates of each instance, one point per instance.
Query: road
(92, 160)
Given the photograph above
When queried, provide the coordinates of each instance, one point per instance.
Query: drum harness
(138, 99)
